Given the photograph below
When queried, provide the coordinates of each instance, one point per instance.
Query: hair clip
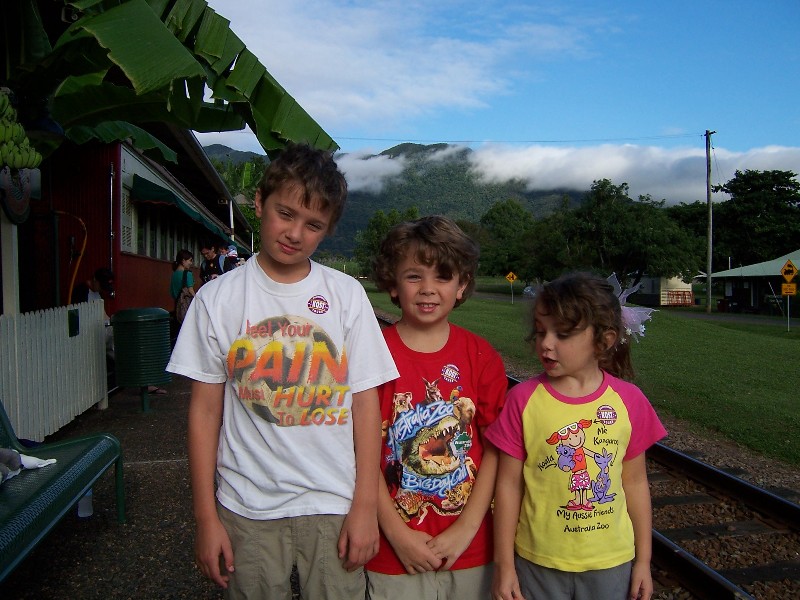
(633, 317)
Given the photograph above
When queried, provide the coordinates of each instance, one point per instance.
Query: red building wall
(74, 229)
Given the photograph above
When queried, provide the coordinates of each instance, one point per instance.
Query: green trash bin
(141, 348)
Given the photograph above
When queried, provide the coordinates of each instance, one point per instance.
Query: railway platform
(152, 555)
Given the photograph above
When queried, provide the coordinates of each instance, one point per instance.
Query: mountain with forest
(436, 179)
(224, 154)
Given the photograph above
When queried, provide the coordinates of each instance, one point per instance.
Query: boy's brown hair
(436, 241)
(315, 174)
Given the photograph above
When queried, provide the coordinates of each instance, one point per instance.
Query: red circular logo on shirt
(450, 373)
(607, 415)
(318, 305)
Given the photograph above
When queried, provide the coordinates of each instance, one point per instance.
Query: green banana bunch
(7, 112)
(19, 156)
(12, 132)
(15, 149)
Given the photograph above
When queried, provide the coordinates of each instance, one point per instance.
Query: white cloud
(367, 172)
(675, 175)
(446, 153)
(382, 64)
(349, 63)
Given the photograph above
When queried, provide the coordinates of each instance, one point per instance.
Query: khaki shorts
(463, 584)
(265, 553)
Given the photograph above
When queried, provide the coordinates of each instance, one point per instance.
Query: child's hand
(449, 545)
(641, 581)
(359, 539)
(211, 545)
(411, 547)
(505, 585)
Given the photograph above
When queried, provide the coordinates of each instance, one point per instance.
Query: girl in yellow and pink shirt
(572, 504)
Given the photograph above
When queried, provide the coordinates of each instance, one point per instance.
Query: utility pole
(710, 214)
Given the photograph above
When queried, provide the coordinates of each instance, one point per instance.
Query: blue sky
(555, 93)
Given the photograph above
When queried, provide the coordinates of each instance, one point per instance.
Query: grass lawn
(739, 379)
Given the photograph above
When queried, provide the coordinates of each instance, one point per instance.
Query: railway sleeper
(720, 530)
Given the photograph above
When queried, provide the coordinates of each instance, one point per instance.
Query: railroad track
(716, 536)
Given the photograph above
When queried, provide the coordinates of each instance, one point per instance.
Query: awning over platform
(144, 190)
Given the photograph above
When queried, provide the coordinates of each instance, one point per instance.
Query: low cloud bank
(675, 175)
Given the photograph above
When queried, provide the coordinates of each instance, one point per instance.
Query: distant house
(757, 287)
(663, 291)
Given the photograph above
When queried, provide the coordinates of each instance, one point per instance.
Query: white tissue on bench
(29, 462)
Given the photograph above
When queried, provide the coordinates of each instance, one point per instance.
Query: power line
(716, 162)
(571, 141)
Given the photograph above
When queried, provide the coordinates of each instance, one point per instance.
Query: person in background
(181, 288)
(183, 264)
(438, 471)
(284, 421)
(233, 256)
(572, 503)
(214, 264)
(99, 286)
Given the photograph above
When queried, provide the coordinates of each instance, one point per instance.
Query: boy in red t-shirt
(436, 533)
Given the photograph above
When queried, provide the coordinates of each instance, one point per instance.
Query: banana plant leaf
(120, 130)
(138, 61)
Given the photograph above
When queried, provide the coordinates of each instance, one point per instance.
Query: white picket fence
(52, 366)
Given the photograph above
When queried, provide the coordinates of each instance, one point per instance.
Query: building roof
(769, 268)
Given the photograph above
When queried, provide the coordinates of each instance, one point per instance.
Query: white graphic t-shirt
(291, 356)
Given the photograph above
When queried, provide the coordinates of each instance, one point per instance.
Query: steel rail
(762, 501)
(692, 573)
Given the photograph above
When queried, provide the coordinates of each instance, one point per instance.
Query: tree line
(607, 231)
(611, 232)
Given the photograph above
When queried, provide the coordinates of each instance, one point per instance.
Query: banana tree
(103, 69)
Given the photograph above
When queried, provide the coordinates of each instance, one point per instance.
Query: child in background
(572, 503)
(436, 535)
(284, 422)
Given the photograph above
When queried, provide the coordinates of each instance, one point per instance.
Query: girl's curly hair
(579, 300)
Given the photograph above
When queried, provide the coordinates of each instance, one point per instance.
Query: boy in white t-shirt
(284, 420)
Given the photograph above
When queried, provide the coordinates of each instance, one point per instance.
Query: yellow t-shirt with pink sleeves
(573, 515)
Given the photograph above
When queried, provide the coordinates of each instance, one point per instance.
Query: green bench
(33, 502)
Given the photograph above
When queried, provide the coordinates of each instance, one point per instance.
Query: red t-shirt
(432, 447)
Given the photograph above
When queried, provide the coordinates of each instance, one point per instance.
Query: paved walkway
(735, 317)
(715, 315)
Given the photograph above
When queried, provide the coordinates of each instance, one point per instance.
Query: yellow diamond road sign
(511, 277)
(789, 271)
